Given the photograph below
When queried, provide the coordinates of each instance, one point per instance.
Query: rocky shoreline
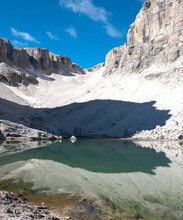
(14, 131)
(13, 206)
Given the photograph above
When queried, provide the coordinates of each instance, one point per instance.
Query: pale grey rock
(13, 77)
(44, 61)
(13, 56)
(6, 93)
(14, 207)
(172, 149)
(165, 77)
(113, 59)
(156, 37)
(172, 130)
(20, 65)
(6, 49)
(77, 69)
(10, 130)
(96, 67)
(10, 148)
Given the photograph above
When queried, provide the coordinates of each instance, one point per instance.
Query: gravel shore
(13, 206)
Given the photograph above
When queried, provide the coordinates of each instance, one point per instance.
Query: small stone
(42, 207)
(9, 211)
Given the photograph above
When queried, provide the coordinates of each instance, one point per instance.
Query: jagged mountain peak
(31, 60)
(155, 38)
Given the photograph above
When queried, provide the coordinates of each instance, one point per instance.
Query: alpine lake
(97, 178)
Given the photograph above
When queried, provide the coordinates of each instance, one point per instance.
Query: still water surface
(149, 174)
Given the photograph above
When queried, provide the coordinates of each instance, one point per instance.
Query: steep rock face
(113, 59)
(47, 62)
(156, 37)
(18, 63)
(6, 49)
(17, 57)
(96, 67)
(13, 77)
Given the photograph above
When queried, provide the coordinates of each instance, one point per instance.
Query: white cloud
(112, 31)
(95, 13)
(52, 36)
(72, 32)
(85, 7)
(24, 36)
(17, 43)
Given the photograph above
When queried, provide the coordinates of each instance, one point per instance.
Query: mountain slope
(136, 93)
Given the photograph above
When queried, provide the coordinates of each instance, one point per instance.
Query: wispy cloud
(72, 32)
(95, 13)
(52, 36)
(17, 43)
(85, 7)
(112, 31)
(24, 36)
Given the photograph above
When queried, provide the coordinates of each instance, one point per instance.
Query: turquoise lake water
(146, 173)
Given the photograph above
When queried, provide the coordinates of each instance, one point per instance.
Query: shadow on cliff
(110, 118)
(105, 156)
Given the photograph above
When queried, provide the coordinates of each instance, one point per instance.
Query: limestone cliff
(156, 37)
(19, 65)
(96, 67)
(136, 93)
(47, 62)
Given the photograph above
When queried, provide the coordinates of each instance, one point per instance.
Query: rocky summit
(22, 65)
(136, 93)
(155, 38)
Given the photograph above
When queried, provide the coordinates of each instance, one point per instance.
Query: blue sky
(84, 30)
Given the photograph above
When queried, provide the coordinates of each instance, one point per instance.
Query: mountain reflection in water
(104, 156)
(149, 174)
